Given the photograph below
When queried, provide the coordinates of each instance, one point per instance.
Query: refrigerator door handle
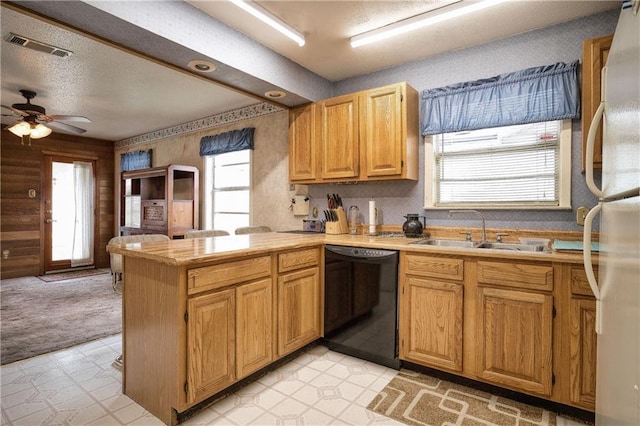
(591, 141)
(588, 264)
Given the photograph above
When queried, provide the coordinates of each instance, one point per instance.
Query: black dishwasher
(361, 303)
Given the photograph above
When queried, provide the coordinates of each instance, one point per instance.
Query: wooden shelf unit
(159, 200)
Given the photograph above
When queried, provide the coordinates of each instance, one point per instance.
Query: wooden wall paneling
(21, 217)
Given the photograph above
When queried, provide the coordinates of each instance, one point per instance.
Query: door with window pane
(69, 228)
(227, 185)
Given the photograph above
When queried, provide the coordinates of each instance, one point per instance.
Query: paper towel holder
(300, 205)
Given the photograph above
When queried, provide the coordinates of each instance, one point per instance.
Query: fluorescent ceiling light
(419, 21)
(271, 20)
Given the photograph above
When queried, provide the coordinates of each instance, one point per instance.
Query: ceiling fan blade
(16, 111)
(76, 118)
(66, 127)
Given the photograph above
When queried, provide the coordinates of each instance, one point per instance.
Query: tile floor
(79, 386)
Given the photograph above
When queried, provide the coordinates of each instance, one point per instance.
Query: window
(522, 166)
(227, 190)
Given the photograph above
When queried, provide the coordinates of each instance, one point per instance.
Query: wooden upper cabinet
(594, 57)
(368, 135)
(338, 130)
(388, 132)
(303, 158)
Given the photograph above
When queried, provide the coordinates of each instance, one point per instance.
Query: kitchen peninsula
(202, 314)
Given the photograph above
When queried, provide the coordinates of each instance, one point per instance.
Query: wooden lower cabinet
(582, 340)
(514, 337)
(431, 310)
(583, 352)
(211, 349)
(254, 327)
(229, 336)
(432, 323)
(298, 309)
(500, 312)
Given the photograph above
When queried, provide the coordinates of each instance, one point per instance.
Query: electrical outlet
(581, 214)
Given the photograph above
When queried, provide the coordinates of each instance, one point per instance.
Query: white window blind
(228, 181)
(499, 167)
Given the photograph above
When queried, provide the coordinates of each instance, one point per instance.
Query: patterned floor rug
(416, 399)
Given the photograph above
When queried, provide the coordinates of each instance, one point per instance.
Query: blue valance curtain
(544, 93)
(235, 140)
(135, 160)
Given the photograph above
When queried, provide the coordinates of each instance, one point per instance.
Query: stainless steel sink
(511, 246)
(485, 245)
(444, 243)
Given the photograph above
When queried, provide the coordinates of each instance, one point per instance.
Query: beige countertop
(196, 251)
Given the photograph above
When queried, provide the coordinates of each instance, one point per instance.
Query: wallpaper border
(211, 121)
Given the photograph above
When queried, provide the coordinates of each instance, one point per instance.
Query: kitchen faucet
(477, 213)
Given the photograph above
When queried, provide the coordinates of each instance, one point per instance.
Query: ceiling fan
(34, 123)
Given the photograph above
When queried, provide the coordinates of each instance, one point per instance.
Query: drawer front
(298, 259)
(517, 275)
(436, 267)
(579, 282)
(224, 274)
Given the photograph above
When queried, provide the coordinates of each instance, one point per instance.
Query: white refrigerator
(617, 288)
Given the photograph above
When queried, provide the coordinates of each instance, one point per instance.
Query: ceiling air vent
(37, 45)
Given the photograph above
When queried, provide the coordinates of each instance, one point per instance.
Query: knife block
(339, 227)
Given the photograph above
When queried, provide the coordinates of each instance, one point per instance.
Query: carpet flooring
(38, 317)
(416, 399)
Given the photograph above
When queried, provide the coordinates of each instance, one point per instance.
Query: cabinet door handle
(50, 221)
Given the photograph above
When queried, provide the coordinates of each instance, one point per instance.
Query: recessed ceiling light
(202, 65)
(275, 94)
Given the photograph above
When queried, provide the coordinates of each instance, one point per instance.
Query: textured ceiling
(126, 95)
(328, 26)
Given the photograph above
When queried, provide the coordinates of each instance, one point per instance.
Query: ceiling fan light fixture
(20, 129)
(33, 130)
(39, 131)
(271, 20)
(420, 21)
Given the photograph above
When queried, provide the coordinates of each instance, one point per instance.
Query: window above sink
(523, 166)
